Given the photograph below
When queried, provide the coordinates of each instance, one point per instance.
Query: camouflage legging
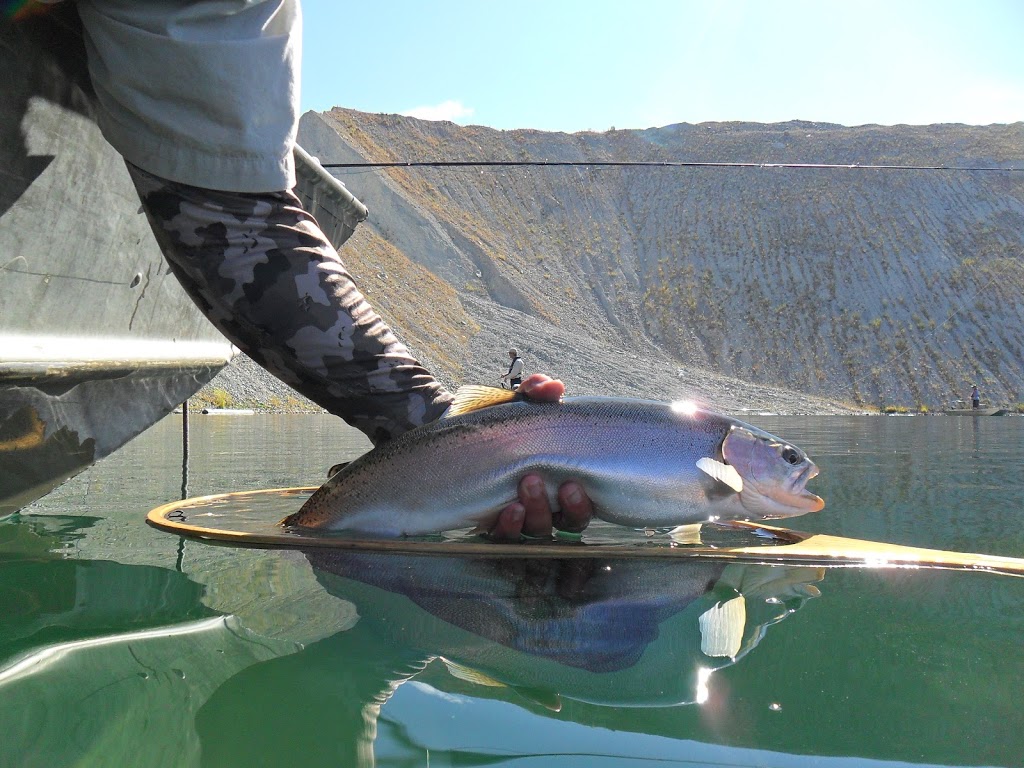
(261, 270)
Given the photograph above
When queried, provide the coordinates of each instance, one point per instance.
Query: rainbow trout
(643, 463)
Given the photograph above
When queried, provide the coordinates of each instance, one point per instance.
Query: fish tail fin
(312, 514)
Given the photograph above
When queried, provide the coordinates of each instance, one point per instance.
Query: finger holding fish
(532, 516)
(542, 388)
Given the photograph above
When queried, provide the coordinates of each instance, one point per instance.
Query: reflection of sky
(417, 721)
(43, 659)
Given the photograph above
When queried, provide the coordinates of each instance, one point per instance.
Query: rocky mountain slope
(788, 290)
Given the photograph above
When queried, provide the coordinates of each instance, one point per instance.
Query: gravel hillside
(753, 289)
(586, 366)
(864, 286)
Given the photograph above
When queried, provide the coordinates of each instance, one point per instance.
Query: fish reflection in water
(260, 678)
(615, 633)
(580, 627)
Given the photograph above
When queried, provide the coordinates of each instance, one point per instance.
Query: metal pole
(184, 450)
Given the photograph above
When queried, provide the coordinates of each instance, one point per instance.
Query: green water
(121, 645)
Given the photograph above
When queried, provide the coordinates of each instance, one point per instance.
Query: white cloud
(446, 110)
(429, 690)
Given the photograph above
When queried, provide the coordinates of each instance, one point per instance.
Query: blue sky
(571, 65)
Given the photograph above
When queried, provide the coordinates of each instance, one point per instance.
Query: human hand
(541, 387)
(532, 514)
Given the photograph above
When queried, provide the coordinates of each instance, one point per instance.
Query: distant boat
(980, 411)
(97, 340)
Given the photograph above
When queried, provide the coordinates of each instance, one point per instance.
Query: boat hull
(54, 425)
(98, 341)
(975, 412)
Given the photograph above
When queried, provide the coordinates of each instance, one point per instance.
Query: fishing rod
(661, 164)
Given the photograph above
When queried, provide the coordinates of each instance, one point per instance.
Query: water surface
(123, 645)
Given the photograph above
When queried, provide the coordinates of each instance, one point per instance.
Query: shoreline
(244, 385)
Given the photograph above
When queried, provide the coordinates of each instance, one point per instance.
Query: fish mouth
(809, 502)
(801, 497)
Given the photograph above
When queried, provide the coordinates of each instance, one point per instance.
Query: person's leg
(261, 270)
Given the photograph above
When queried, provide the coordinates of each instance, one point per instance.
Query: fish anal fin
(686, 534)
(474, 397)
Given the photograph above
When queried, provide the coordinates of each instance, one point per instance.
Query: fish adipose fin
(473, 397)
(723, 473)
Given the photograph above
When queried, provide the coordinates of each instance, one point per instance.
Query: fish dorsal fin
(469, 675)
(547, 699)
(723, 473)
(473, 397)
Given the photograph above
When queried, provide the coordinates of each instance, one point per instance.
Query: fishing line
(662, 164)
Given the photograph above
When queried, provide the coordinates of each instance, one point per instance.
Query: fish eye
(791, 455)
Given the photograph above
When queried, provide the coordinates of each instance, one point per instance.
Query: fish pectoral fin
(474, 397)
(723, 473)
(721, 628)
(547, 699)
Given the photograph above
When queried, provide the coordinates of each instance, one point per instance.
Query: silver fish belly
(637, 459)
